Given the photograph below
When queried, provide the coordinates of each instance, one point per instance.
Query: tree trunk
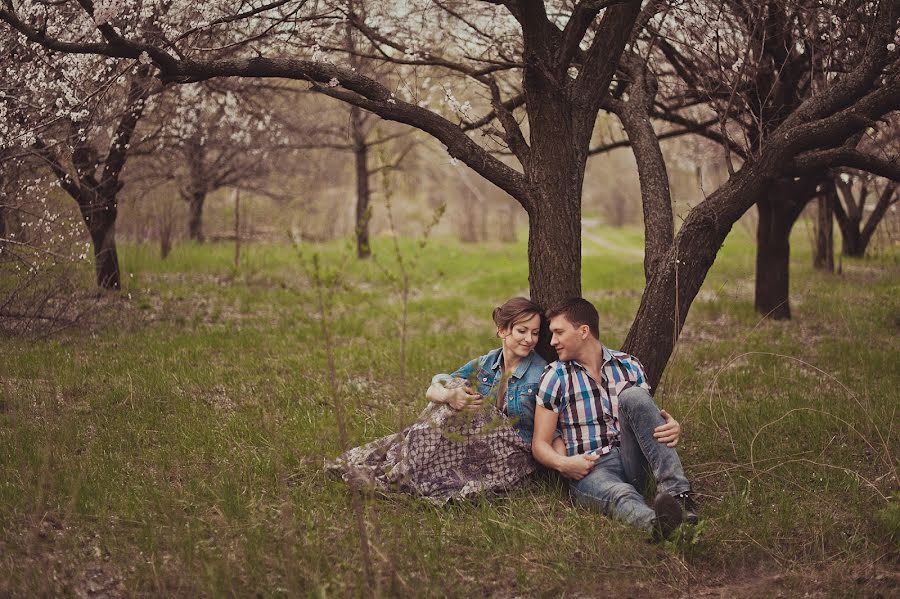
(165, 244)
(2, 211)
(778, 209)
(851, 239)
(195, 215)
(824, 256)
(554, 251)
(554, 168)
(100, 218)
(363, 212)
(678, 276)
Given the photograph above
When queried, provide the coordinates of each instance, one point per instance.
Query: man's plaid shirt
(589, 409)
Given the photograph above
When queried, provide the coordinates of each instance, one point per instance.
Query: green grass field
(173, 444)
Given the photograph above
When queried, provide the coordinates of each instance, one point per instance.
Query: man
(612, 429)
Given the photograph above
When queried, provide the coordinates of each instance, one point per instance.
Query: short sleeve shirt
(589, 409)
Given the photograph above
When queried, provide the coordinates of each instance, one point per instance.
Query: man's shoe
(669, 516)
(689, 508)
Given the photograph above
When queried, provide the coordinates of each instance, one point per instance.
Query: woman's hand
(669, 432)
(464, 398)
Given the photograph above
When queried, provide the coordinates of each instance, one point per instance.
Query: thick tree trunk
(554, 250)
(773, 252)
(195, 215)
(554, 168)
(100, 218)
(824, 256)
(778, 209)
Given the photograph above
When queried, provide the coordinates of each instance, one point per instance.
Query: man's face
(567, 339)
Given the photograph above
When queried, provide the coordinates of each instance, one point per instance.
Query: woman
(475, 434)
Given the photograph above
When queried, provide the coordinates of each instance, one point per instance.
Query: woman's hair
(514, 310)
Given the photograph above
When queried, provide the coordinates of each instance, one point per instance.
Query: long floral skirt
(446, 454)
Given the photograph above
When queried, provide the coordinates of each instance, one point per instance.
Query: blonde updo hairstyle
(514, 310)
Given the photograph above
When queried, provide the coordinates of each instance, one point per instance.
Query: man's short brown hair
(578, 311)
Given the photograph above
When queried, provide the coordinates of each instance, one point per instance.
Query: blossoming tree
(545, 69)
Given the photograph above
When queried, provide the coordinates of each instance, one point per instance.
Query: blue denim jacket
(521, 388)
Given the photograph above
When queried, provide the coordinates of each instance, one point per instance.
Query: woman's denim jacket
(521, 389)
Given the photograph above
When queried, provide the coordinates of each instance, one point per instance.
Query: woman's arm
(457, 397)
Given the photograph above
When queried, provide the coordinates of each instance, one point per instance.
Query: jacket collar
(520, 369)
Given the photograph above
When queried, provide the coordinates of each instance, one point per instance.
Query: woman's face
(522, 336)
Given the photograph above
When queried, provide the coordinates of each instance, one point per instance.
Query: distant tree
(850, 207)
(204, 137)
(738, 71)
(75, 115)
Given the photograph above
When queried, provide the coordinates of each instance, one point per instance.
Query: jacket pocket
(484, 382)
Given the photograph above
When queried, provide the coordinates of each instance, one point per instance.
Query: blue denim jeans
(614, 485)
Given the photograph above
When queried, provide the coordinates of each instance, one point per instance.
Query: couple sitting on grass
(589, 415)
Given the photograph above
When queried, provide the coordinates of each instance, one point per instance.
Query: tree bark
(824, 256)
(779, 209)
(554, 249)
(659, 228)
(363, 194)
(195, 215)
(554, 168)
(99, 214)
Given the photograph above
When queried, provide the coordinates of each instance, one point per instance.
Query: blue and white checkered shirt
(589, 409)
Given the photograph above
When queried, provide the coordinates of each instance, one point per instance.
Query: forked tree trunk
(854, 234)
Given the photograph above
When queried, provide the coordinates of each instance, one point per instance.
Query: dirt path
(598, 240)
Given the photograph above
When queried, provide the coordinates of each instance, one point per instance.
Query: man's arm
(575, 467)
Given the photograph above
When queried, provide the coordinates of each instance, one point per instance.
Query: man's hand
(464, 398)
(669, 432)
(578, 466)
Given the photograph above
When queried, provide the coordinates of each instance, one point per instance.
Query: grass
(177, 449)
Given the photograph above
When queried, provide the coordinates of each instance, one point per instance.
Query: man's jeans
(614, 485)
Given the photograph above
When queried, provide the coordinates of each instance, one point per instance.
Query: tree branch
(817, 161)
